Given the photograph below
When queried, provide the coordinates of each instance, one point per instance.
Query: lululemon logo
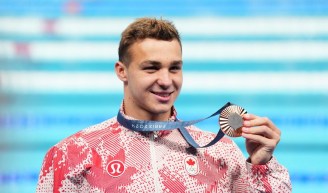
(115, 168)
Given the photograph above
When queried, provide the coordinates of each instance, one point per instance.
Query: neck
(145, 115)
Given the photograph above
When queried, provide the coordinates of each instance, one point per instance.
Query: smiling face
(152, 79)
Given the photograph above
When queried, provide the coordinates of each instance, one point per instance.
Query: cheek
(141, 82)
(178, 81)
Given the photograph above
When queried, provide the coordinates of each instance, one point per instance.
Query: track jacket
(108, 157)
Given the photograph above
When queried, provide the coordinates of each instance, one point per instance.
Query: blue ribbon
(143, 125)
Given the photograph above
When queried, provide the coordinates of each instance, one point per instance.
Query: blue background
(32, 122)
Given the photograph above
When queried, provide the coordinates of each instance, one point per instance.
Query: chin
(161, 109)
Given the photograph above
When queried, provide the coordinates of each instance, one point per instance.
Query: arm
(45, 181)
(51, 172)
(263, 170)
(270, 177)
(250, 178)
(64, 167)
(54, 171)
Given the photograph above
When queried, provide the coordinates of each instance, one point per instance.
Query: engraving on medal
(235, 121)
(231, 120)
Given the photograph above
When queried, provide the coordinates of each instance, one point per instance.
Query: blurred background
(57, 77)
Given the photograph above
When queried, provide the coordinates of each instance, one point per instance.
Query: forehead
(153, 49)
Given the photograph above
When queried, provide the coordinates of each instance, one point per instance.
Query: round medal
(231, 120)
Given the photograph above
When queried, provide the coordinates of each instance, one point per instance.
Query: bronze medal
(231, 120)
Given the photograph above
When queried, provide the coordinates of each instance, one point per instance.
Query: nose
(164, 78)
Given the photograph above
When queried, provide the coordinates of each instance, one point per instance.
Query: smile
(162, 96)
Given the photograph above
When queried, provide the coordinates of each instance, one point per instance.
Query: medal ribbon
(143, 125)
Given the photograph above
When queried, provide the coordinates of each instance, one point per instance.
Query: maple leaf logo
(190, 162)
(191, 165)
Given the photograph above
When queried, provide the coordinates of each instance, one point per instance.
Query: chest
(156, 165)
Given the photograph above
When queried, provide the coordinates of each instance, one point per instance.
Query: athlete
(109, 157)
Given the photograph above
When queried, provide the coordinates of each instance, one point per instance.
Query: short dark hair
(143, 28)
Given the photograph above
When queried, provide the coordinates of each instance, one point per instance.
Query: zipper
(153, 137)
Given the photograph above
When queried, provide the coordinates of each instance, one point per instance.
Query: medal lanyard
(144, 125)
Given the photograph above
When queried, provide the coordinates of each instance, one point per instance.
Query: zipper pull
(154, 136)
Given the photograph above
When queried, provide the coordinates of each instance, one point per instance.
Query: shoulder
(89, 134)
(80, 145)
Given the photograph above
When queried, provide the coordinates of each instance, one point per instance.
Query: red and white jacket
(108, 157)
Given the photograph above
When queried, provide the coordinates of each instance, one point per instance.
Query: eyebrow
(151, 62)
(157, 63)
(177, 62)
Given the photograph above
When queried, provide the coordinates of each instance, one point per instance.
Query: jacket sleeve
(52, 171)
(271, 177)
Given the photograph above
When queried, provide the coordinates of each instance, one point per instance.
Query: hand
(262, 137)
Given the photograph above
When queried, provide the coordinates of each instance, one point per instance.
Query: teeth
(163, 95)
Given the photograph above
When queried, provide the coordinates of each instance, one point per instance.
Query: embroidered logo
(191, 165)
(115, 168)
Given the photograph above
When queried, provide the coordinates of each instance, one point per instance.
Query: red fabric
(82, 163)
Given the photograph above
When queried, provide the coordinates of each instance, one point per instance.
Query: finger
(249, 116)
(261, 130)
(251, 120)
(260, 139)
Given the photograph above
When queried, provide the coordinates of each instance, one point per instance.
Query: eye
(150, 68)
(175, 68)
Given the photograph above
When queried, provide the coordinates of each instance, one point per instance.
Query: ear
(121, 71)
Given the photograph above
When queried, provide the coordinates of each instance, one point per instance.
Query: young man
(109, 157)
